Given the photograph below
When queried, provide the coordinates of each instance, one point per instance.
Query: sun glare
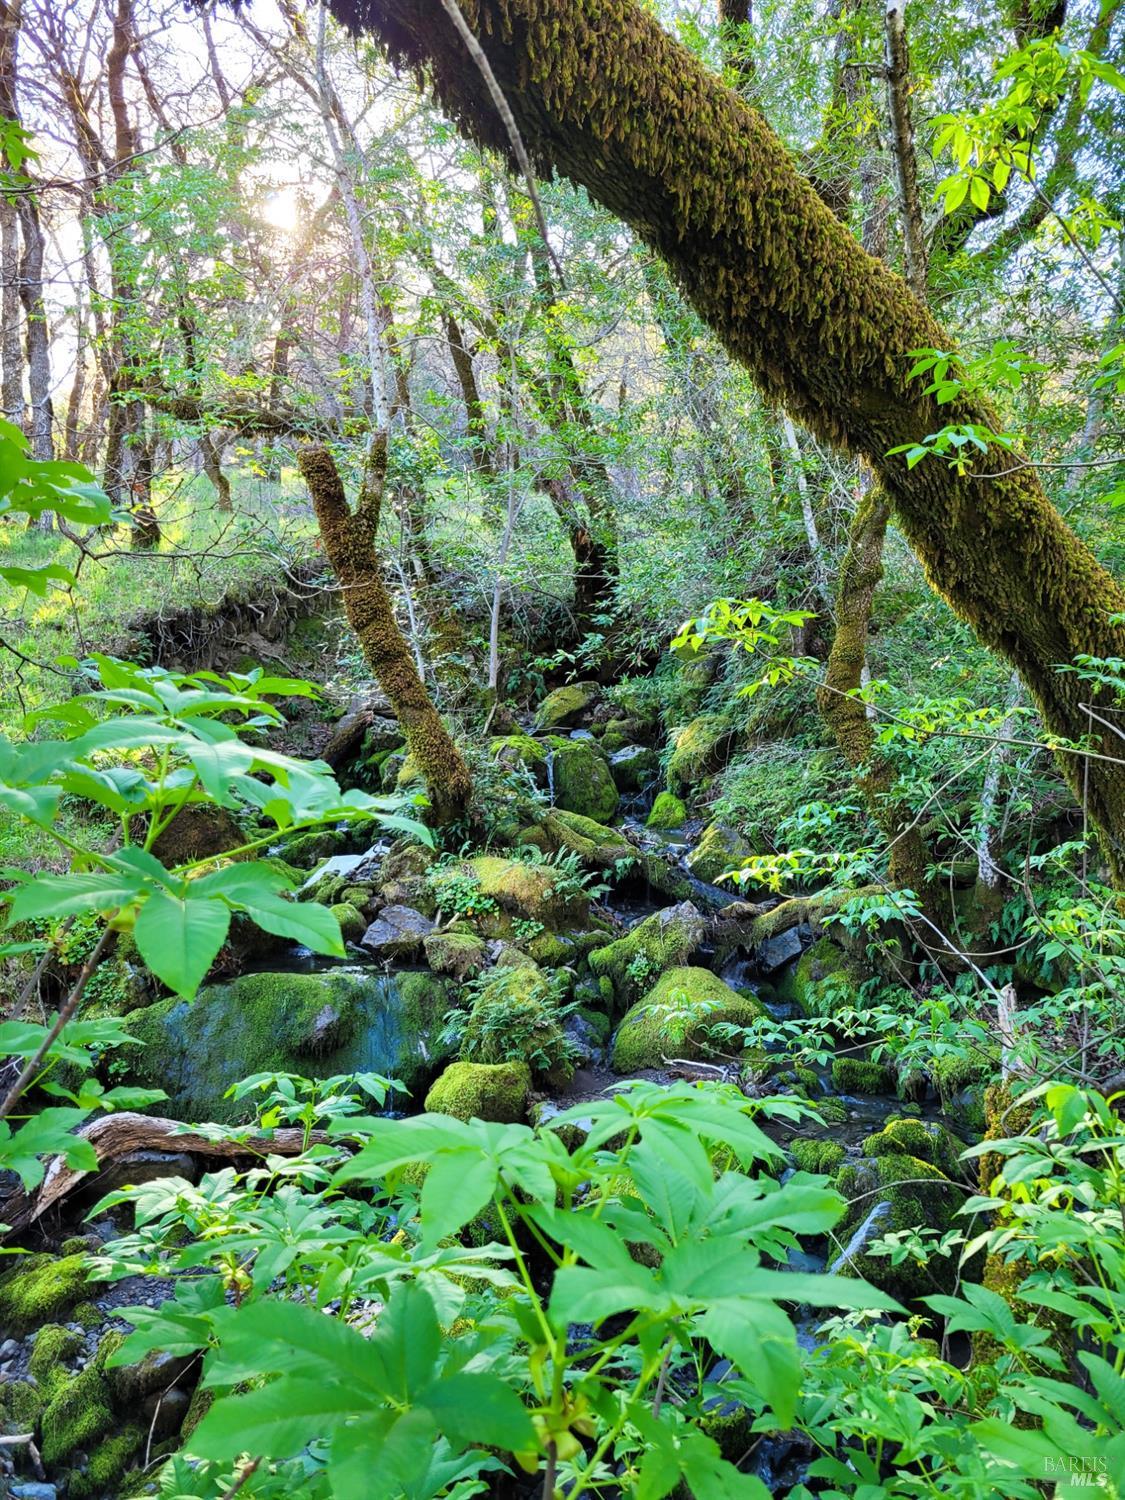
(282, 208)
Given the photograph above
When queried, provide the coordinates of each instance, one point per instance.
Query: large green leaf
(179, 940)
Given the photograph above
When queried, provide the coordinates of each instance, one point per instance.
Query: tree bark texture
(349, 541)
(606, 97)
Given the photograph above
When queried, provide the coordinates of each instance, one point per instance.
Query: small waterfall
(863, 1236)
(550, 776)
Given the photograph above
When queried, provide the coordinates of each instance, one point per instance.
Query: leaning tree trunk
(601, 93)
(349, 541)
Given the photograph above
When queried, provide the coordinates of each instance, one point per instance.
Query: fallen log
(118, 1135)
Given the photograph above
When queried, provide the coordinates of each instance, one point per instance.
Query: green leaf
(179, 940)
(301, 921)
(458, 1185)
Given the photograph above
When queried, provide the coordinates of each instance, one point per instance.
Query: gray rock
(9, 1348)
(166, 1411)
(33, 1491)
(146, 1166)
(396, 932)
(778, 951)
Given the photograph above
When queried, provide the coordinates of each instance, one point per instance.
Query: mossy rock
(1004, 1118)
(632, 766)
(483, 1091)
(77, 1415)
(597, 846)
(814, 1155)
(550, 949)
(317, 1025)
(925, 1139)
(666, 940)
(520, 750)
(304, 850)
(951, 1073)
(525, 890)
(566, 705)
(824, 980)
(55, 1347)
(198, 831)
(460, 954)
(21, 1405)
(514, 1017)
(582, 779)
(697, 749)
(856, 1075)
(718, 851)
(672, 1019)
(41, 1289)
(916, 1195)
(353, 924)
(107, 1465)
(668, 811)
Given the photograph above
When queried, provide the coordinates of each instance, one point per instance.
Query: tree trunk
(603, 95)
(349, 541)
(860, 574)
(36, 336)
(902, 138)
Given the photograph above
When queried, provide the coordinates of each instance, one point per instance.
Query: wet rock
(633, 767)
(146, 1166)
(778, 951)
(719, 850)
(165, 1411)
(397, 932)
(33, 1490)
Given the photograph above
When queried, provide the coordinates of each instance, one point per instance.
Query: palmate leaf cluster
(356, 1346)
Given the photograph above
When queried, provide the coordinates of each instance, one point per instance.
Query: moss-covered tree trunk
(601, 93)
(349, 540)
(846, 714)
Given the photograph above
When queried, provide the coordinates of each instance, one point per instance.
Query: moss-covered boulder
(632, 766)
(581, 778)
(340, 1021)
(482, 1091)
(107, 1465)
(672, 1019)
(457, 952)
(566, 705)
(21, 1403)
(857, 1075)
(697, 749)
(78, 1415)
(353, 924)
(514, 1017)
(666, 940)
(718, 851)
(520, 750)
(825, 979)
(888, 1195)
(531, 891)
(925, 1139)
(811, 1154)
(597, 846)
(668, 811)
(39, 1289)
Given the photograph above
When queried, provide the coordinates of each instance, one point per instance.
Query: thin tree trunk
(38, 344)
(845, 713)
(603, 95)
(11, 355)
(808, 515)
(902, 138)
(349, 542)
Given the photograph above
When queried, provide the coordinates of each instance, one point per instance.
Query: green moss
(353, 924)
(461, 954)
(855, 1075)
(666, 940)
(733, 1431)
(718, 851)
(77, 1416)
(21, 1405)
(565, 704)
(952, 1072)
(668, 811)
(107, 1466)
(54, 1347)
(40, 1289)
(917, 1196)
(582, 779)
(482, 1091)
(927, 1140)
(812, 1155)
(697, 748)
(824, 980)
(526, 890)
(672, 1019)
(521, 750)
(337, 1021)
(596, 845)
(87, 1315)
(549, 949)
(832, 1111)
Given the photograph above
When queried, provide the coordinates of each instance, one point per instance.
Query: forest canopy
(562, 749)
